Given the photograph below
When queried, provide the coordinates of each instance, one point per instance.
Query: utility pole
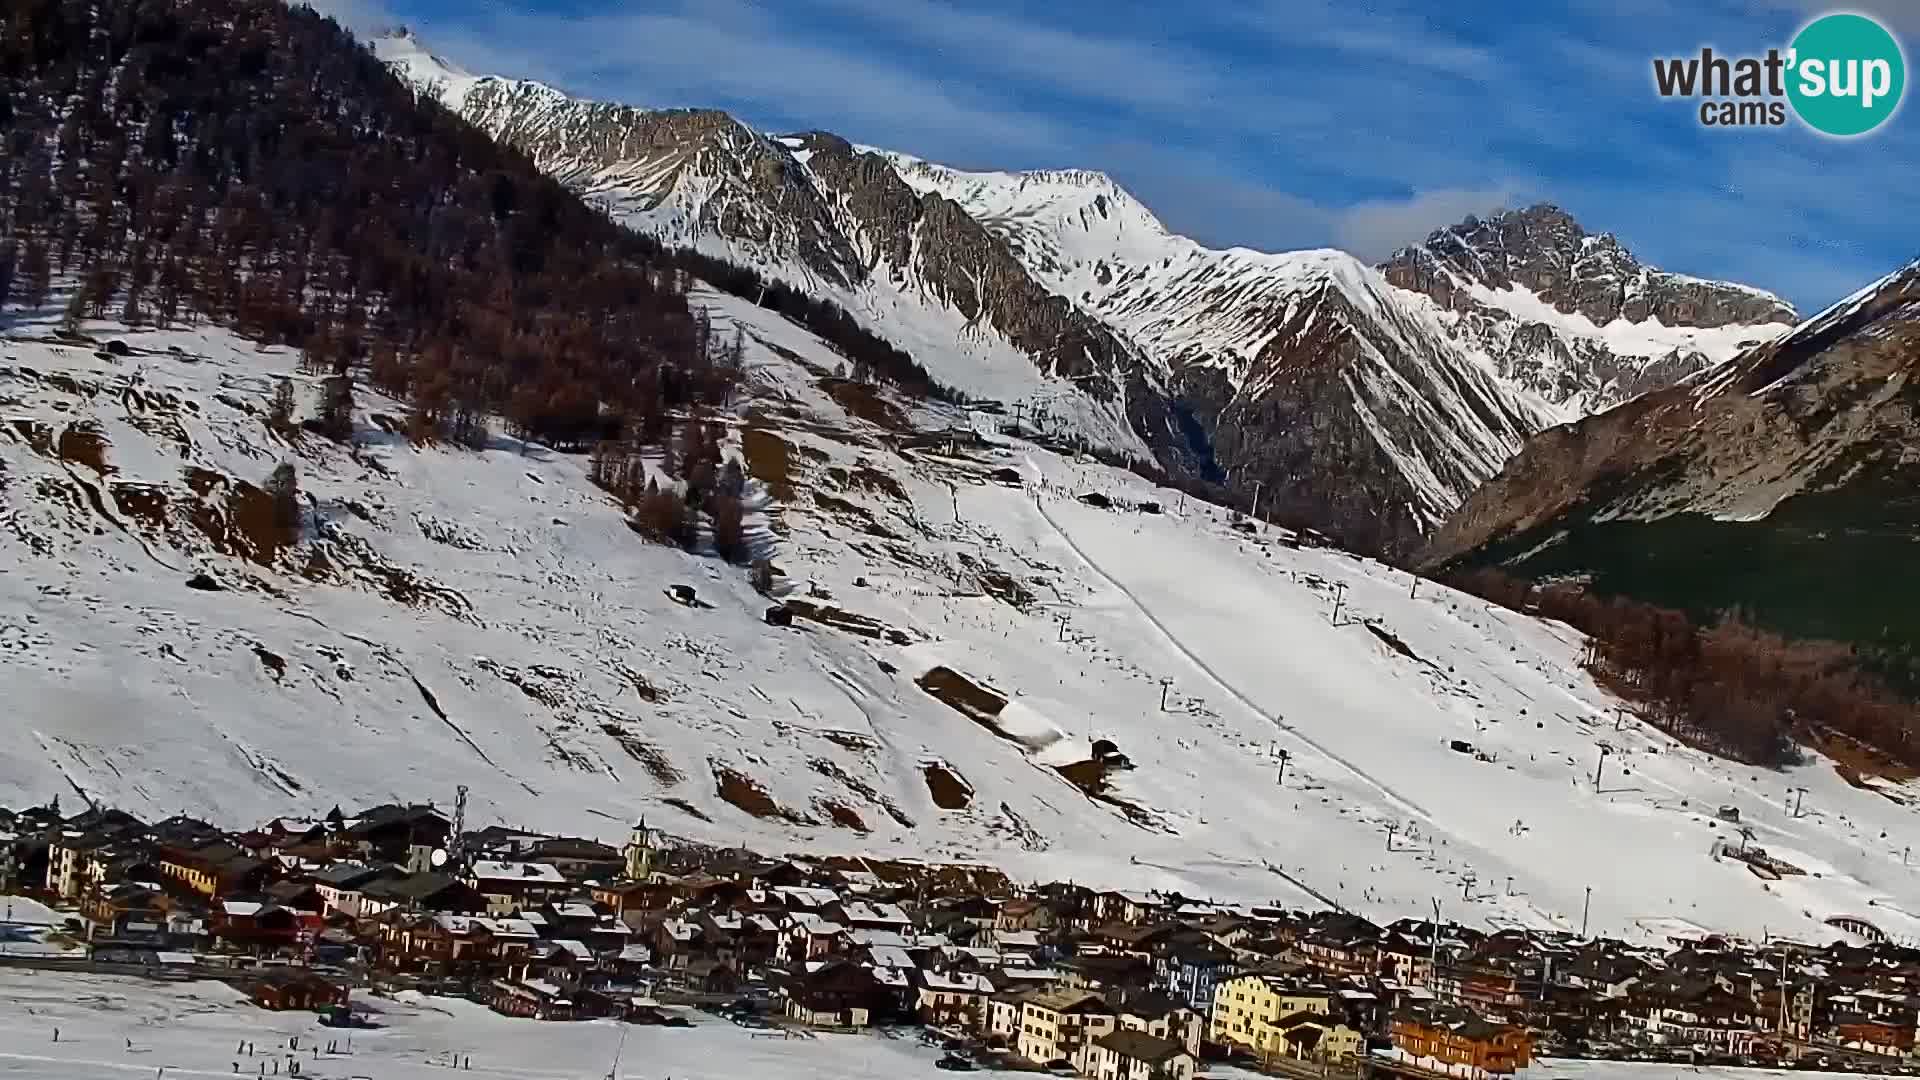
(1339, 598)
(1799, 794)
(1164, 684)
(1783, 992)
(1585, 908)
(1062, 619)
(1619, 717)
(1284, 756)
(1256, 502)
(1433, 942)
(1600, 764)
(1413, 588)
(1392, 827)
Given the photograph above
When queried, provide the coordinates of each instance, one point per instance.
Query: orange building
(1458, 1038)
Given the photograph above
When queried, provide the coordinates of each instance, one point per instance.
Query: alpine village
(316, 915)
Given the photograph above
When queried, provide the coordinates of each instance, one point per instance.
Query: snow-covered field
(128, 1029)
(487, 618)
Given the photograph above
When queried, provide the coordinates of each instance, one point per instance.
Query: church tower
(639, 853)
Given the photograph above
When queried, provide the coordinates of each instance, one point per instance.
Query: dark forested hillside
(249, 163)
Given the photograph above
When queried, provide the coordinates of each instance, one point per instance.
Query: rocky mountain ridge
(1354, 403)
(1781, 484)
(1574, 316)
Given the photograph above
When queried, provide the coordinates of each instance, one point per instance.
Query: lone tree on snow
(336, 407)
(284, 488)
(280, 414)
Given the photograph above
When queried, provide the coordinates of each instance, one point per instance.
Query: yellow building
(1058, 1025)
(1247, 1009)
(1311, 1037)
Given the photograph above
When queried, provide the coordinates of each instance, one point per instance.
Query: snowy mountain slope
(1573, 316)
(1310, 376)
(815, 213)
(1781, 484)
(487, 618)
(1062, 297)
(1365, 405)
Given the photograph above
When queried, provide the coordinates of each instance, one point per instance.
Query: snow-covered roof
(488, 872)
(888, 956)
(956, 982)
(798, 896)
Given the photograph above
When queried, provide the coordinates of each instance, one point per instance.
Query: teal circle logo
(1846, 75)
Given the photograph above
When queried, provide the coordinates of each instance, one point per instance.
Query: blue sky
(1276, 124)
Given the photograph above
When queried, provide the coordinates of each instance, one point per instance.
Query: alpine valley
(350, 454)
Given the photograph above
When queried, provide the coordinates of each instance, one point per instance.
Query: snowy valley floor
(127, 1029)
(487, 618)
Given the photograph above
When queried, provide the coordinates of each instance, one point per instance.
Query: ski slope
(486, 618)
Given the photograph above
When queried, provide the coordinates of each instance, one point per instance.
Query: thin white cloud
(1272, 123)
(1374, 230)
(363, 17)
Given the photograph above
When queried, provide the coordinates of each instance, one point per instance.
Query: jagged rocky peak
(1573, 316)
(1544, 250)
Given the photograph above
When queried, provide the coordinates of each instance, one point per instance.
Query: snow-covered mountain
(1574, 317)
(813, 211)
(1304, 378)
(1781, 484)
(1310, 377)
(450, 616)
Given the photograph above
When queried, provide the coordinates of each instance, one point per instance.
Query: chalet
(133, 911)
(419, 892)
(1247, 1009)
(536, 999)
(1125, 907)
(1687, 1011)
(835, 994)
(1107, 972)
(339, 886)
(397, 834)
(952, 999)
(1341, 943)
(516, 886)
(1191, 971)
(1139, 939)
(1061, 1025)
(808, 937)
(1458, 1042)
(1135, 1055)
(295, 989)
(1306, 1036)
(301, 897)
(621, 897)
(1003, 1008)
(79, 852)
(214, 868)
(1162, 1017)
(1868, 1034)
(577, 860)
(254, 925)
(862, 915)
(1027, 915)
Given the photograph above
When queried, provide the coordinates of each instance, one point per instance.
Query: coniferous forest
(247, 163)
